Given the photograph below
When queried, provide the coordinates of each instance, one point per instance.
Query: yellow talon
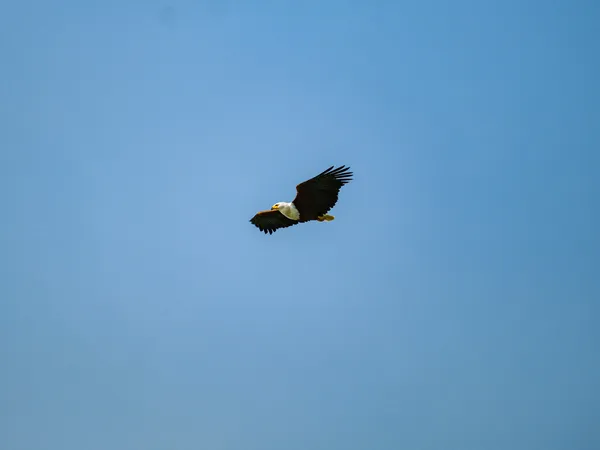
(326, 218)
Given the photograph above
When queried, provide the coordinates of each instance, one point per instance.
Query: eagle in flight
(314, 199)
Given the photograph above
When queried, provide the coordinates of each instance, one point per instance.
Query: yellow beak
(275, 207)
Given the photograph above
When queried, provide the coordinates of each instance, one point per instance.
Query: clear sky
(452, 304)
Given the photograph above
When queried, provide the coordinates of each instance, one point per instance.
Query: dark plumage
(314, 199)
(271, 220)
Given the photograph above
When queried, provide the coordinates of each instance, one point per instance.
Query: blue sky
(452, 304)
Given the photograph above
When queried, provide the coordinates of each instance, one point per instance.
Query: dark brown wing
(271, 220)
(318, 195)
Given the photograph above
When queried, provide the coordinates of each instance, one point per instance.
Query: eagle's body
(314, 199)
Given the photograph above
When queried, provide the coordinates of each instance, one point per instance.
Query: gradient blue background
(454, 302)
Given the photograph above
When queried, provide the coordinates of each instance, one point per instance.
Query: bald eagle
(314, 199)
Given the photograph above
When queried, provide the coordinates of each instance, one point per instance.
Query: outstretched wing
(318, 195)
(271, 220)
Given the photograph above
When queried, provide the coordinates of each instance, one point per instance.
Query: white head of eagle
(314, 198)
